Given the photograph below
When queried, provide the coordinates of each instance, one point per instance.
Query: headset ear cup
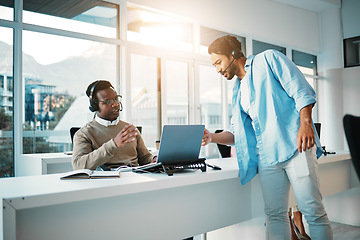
(93, 107)
(236, 54)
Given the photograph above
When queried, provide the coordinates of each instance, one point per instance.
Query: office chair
(318, 128)
(352, 133)
(73, 130)
(139, 128)
(225, 151)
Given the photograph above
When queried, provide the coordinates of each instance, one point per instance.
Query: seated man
(107, 141)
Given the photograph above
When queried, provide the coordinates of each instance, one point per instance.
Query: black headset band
(236, 53)
(93, 107)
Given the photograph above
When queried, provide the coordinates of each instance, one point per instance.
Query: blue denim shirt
(277, 91)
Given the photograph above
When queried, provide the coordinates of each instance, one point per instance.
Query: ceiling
(60, 8)
(312, 5)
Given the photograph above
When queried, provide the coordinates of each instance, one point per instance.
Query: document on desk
(87, 173)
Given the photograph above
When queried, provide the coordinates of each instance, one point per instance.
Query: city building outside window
(6, 102)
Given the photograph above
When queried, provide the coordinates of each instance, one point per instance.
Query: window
(177, 92)
(2, 78)
(144, 96)
(307, 64)
(7, 10)
(56, 73)
(90, 17)
(6, 103)
(352, 52)
(259, 47)
(10, 85)
(210, 97)
(157, 29)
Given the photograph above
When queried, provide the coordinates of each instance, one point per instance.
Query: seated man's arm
(84, 156)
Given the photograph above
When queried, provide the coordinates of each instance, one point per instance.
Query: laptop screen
(180, 143)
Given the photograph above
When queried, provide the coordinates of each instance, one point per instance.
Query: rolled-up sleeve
(291, 79)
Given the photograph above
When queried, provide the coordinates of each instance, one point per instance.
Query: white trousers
(301, 171)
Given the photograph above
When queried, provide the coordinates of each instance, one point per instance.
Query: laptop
(179, 148)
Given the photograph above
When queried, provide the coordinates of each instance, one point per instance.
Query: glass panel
(6, 103)
(177, 92)
(307, 63)
(208, 35)
(56, 73)
(352, 52)
(210, 97)
(95, 17)
(7, 9)
(151, 28)
(210, 104)
(144, 97)
(259, 47)
(229, 85)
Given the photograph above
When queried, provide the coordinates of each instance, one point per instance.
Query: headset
(93, 106)
(236, 52)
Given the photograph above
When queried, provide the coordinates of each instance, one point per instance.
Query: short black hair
(223, 47)
(100, 85)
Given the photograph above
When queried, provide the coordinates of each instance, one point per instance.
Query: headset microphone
(223, 72)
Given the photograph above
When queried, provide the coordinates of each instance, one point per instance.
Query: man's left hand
(305, 138)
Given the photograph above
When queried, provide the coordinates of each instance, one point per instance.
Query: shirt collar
(248, 62)
(105, 122)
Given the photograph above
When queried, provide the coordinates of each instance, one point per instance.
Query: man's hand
(125, 136)
(206, 138)
(306, 137)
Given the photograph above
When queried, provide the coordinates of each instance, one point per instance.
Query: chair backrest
(73, 130)
(352, 133)
(318, 128)
(139, 128)
(225, 151)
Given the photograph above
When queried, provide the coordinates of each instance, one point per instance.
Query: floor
(251, 231)
(345, 232)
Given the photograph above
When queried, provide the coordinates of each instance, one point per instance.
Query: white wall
(338, 87)
(351, 18)
(330, 93)
(261, 19)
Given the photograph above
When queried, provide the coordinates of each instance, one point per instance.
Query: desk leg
(204, 236)
(44, 166)
(9, 222)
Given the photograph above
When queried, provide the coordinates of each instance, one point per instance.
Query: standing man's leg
(275, 188)
(302, 171)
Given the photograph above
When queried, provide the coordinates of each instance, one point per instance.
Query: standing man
(107, 141)
(273, 133)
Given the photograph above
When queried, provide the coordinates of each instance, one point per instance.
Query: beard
(230, 72)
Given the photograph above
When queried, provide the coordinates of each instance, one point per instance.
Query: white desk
(135, 206)
(43, 163)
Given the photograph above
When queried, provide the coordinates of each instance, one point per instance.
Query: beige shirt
(94, 146)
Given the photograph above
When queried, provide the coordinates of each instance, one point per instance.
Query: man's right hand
(126, 135)
(206, 138)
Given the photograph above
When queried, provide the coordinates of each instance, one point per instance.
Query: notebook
(179, 144)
